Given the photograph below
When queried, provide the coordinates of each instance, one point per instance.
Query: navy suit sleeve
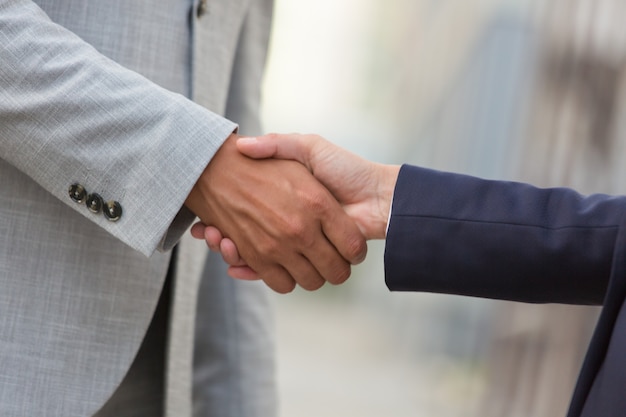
(457, 234)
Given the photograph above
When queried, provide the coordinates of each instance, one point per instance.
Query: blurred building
(522, 90)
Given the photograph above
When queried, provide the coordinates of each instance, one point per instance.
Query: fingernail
(247, 140)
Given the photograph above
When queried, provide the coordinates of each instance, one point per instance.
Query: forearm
(457, 234)
(69, 114)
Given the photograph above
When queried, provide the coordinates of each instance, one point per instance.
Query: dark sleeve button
(112, 211)
(77, 193)
(94, 203)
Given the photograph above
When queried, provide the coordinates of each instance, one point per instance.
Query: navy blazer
(458, 234)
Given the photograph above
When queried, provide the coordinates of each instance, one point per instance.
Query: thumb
(274, 146)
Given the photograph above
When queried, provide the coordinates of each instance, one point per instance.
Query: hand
(287, 226)
(363, 188)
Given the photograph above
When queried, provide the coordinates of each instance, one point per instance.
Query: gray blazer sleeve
(70, 115)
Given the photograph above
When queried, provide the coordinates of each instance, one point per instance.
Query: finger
(296, 268)
(273, 274)
(345, 235)
(275, 146)
(326, 259)
(278, 279)
(243, 273)
(197, 230)
(230, 254)
(213, 238)
(305, 273)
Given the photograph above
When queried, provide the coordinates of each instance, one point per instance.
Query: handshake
(291, 209)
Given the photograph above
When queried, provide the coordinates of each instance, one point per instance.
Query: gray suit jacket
(96, 93)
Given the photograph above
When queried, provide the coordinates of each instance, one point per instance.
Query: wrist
(387, 184)
(198, 196)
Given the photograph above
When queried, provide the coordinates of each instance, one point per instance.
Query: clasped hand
(273, 220)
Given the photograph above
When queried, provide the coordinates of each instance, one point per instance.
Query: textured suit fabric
(219, 386)
(96, 93)
(142, 390)
(458, 234)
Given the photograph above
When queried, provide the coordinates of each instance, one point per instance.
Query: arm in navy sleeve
(457, 234)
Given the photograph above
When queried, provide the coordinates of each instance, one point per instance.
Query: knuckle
(268, 249)
(296, 229)
(307, 241)
(317, 202)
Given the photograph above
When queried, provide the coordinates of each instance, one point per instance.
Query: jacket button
(77, 193)
(203, 8)
(112, 211)
(94, 203)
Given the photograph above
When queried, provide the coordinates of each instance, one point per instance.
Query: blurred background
(507, 89)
